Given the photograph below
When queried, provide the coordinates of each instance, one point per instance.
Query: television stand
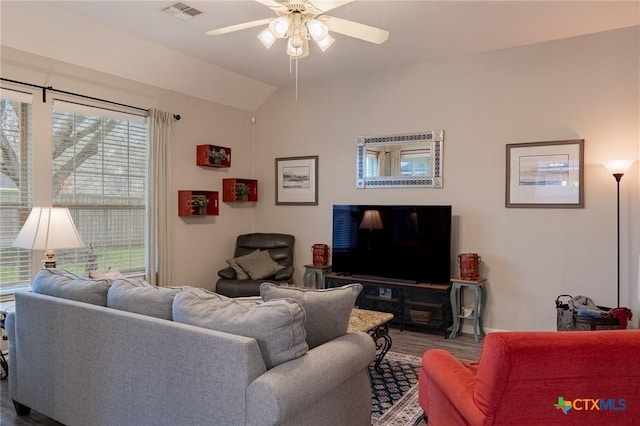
(420, 306)
(376, 278)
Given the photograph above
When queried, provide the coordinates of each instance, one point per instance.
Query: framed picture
(545, 174)
(297, 181)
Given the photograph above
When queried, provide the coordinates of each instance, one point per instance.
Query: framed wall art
(297, 181)
(545, 174)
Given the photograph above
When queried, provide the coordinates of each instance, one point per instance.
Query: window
(345, 228)
(372, 165)
(15, 185)
(416, 162)
(99, 173)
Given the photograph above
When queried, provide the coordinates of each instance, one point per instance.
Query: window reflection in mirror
(403, 160)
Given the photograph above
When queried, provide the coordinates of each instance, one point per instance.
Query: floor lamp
(617, 168)
(371, 221)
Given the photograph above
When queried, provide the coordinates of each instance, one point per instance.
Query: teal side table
(480, 295)
(314, 276)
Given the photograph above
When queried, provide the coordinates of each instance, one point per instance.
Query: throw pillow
(328, 310)
(259, 264)
(60, 283)
(240, 273)
(142, 298)
(277, 326)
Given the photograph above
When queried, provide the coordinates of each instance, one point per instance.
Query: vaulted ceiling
(419, 31)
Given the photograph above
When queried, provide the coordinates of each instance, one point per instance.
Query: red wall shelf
(232, 190)
(213, 156)
(188, 203)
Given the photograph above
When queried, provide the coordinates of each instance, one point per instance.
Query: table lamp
(48, 228)
(371, 220)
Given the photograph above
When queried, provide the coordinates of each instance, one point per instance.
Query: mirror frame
(432, 139)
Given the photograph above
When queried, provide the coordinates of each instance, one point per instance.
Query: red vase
(320, 254)
(469, 266)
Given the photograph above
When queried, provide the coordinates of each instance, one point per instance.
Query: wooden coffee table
(376, 324)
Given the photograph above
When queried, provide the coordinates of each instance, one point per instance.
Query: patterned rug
(395, 394)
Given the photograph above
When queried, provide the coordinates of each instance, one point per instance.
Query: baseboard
(468, 329)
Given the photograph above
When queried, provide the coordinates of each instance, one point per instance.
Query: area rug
(395, 391)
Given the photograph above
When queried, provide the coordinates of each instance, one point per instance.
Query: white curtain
(382, 164)
(395, 163)
(158, 197)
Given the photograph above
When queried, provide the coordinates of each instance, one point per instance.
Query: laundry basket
(567, 320)
(564, 313)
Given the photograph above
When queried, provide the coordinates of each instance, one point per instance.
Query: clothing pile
(583, 306)
(623, 315)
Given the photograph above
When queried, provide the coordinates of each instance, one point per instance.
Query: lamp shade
(298, 48)
(280, 26)
(371, 220)
(48, 228)
(317, 29)
(267, 37)
(325, 42)
(618, 166)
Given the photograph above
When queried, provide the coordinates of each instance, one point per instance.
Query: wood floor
(415, 343)
(463, 347)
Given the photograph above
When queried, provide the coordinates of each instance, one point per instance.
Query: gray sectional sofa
(102, 352)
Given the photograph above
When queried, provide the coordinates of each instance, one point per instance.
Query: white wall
(200, 244)
(582, 88)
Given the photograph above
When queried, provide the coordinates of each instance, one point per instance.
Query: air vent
(181, 11)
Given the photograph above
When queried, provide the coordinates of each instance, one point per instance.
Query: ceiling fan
(300, 21)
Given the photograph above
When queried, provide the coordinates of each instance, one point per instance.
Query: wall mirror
(407, 160)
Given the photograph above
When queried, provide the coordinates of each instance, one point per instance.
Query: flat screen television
(403, 243)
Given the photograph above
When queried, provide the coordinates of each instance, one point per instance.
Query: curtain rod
(51, 89)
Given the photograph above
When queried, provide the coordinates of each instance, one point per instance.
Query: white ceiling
(420, 31)
(136, 40)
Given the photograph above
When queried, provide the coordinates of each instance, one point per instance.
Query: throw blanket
(623, 315)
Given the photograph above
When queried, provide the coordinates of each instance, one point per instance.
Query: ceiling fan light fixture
(267, 37)
(317, 29)
(280, 26)
(295, 41)
(325, 42)
(295, 50)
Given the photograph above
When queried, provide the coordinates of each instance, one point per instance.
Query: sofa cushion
(277, 326)
(64, 284)
(327, 310)
(258, 264)
(142, 298)
(240, 273)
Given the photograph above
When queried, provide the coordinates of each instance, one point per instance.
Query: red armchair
(536, 378)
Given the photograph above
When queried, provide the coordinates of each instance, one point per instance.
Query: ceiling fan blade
(327, 5)
(239, 27)
(273, 4)
(356, 30)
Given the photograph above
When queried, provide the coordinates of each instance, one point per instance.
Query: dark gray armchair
(280, 248)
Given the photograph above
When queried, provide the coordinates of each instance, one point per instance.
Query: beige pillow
(240, 273)
(64, 284)
(277, 326)
(142, 298)
(327, 310)
(259, 264)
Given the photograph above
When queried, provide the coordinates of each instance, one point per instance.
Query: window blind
(99, 173)
(15, 185)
